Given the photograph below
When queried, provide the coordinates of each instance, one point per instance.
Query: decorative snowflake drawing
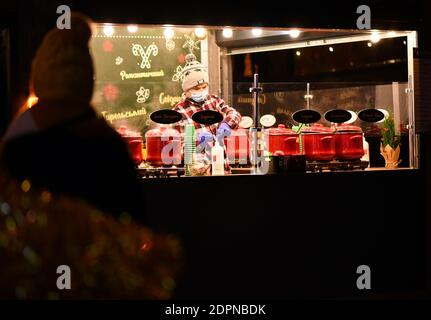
(110, 92)
(107, 46)
(170, 44)
(178, 75)
(143, 94)
(118, 60)
(191, 43)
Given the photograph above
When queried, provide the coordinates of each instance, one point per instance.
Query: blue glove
(205, 137)
(223, 131)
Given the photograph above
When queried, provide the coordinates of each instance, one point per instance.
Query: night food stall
(288, 234)
(366, 74)
(254, 234)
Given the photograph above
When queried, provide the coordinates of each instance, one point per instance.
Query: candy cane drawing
(137, 50)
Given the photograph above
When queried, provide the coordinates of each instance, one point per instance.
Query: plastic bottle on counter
(189, 147)
(217, 159)
(366, 156)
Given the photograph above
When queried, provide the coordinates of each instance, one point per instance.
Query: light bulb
(294, 33)
(257, 32)
(132, 28)
(169, 33)
(227, 33)
(108, 30)
(200, 33)
(375, 37)
(32, 100)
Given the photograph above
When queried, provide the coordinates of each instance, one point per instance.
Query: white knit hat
(63, 68)
(194, 73)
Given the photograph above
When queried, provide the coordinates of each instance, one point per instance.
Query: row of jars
(317, 142)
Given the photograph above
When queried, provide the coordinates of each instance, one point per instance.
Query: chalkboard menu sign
(138, 71)
(306, 116)
(371, 115)
(207, 117)
(166, 116)
(337, 115)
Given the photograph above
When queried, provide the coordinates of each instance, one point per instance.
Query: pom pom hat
(194, 73)
(63, 68)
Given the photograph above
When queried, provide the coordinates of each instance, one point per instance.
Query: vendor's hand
(205, 137)
(223, 131)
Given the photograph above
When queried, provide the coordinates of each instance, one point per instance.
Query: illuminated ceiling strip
(140, 37)
(314, 43)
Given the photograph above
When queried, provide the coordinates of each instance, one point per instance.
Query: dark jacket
(79, 155)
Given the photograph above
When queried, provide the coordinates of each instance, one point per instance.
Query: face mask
(199, 96)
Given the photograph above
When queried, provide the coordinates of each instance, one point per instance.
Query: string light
(122, 255)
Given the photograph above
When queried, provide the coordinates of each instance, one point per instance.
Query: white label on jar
(246, 122)
(267, 120)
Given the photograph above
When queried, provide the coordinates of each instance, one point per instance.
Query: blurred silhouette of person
(61, 143)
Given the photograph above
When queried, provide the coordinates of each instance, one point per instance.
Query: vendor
(196, 98)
